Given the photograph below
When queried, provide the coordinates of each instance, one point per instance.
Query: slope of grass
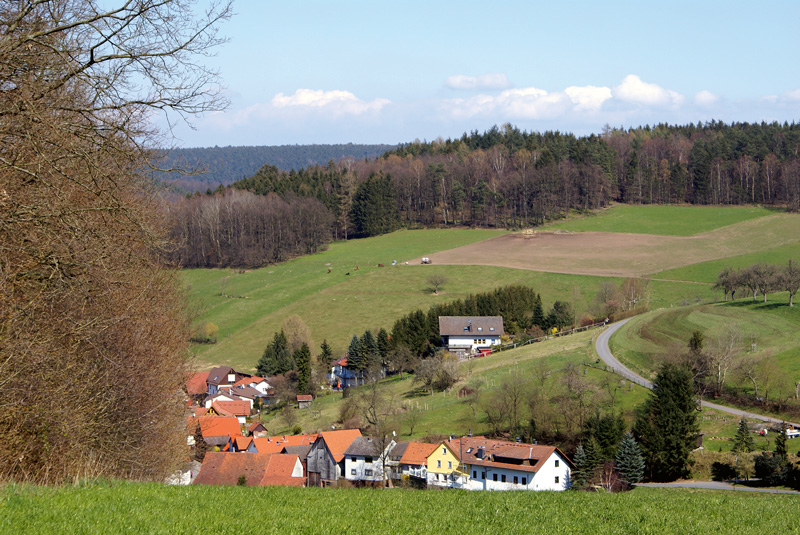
(708, 271)
(667, 220)
(773, 327)
(115, 507)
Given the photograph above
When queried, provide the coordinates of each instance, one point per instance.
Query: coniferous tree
(538, 317)
(302, 359)
(326, 354)
(356, 360)
(276, 358)
(384, 345)
(629, 460)
(666, 424)
(579, 474)
(606, 430)
(780, 444)
(369, 347)
(743, 440)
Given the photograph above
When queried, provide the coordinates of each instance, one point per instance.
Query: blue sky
(388, 72)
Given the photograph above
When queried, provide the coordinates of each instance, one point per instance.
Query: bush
(722, 471)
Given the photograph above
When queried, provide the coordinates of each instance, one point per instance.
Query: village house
(501, 465)
(343, 377)
(444, 467)
(414, 461)
(393, 460)
(468, 335)
(250, 469)
(238, 409)
(326, 458)
(365, 460)
(215, 430)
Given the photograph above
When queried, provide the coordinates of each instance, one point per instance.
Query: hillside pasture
(120, 507)
(664, 220)
(624, 254)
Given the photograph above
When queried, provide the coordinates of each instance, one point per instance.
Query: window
(352, 471)
(367, 459)
(438, 464)
(556, 479)
(483, 475)
(494, 477)
(444, 451)
(503, 478)
(450, 464)
(524, 480)
(353, 459)
(516, 480)
(367, 472)
(556, 463)
(474, 474)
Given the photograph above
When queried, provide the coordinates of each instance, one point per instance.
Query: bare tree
(722, 355)
(86, 305)
(436, 280)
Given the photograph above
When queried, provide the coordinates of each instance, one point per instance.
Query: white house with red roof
(502, 465)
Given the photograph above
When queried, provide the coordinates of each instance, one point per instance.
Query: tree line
(239, 228)
(761, 277)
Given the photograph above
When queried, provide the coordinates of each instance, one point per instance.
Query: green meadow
(665, 220)
(119, 507)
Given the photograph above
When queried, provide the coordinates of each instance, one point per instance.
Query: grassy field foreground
(153, 508)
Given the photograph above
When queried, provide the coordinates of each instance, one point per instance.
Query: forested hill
(225, 165)
(503, 177)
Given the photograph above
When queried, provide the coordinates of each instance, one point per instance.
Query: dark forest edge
(503, 178)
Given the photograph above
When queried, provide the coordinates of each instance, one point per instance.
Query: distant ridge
(225, 165)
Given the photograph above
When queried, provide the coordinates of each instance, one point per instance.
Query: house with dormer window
(467, 335)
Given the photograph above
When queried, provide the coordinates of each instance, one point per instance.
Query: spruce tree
(629, 460)
(666, 424)
(302, 359)
(355, 356)
(780, 444)
(743, 440)
(327, 352)
(369, 347)
(384, 345)
(579, 474)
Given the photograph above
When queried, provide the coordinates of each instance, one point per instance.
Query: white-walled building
(470, 334)
(365, 461)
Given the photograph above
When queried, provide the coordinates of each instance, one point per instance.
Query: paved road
(601, 345)
(716, 485)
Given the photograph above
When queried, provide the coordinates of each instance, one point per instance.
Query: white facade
(361, 468)
(472, 343)
(554, 474)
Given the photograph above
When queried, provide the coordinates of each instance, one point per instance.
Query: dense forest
(225, 165)
(509, 178)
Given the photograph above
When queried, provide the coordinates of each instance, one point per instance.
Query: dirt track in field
(620, 255)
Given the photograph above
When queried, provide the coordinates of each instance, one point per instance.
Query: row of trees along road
(93, 338)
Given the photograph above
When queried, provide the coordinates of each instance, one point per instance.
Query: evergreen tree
(538, 318)
(629, 460)
(276, 358)
(561, 316)
(743, 440)
(666, 424)
(780, 444)
(383, 343)
(606, 431)
(302, 359)
(369, 347)
(327, 352)
(374, 209)
(355, 357)
(579, 474)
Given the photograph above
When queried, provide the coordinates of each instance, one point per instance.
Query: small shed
(304, 401)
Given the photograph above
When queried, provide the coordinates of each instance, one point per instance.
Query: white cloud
(705, 98)
(336, 102)
(633, 89)
(482, 82)
(791, 95)
(588, 98)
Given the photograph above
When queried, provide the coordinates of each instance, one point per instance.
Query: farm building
(465, 335)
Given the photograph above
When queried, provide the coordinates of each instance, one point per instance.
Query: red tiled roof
(417, 453)
(496, 451)
(232, 408)
(196, 384)
(259, 469)
(342, 362)
(255, 427)
(242, 442)
(219, 426)
(276, 444)
(339, 441)
(304, 397)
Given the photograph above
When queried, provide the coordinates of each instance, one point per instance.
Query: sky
(304, 72)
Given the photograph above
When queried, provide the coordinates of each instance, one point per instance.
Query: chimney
(480, 453)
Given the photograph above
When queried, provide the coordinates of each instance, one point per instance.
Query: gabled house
(502, 465)
(259, 383)
(277, 444)
(326, 458)
(239, 443)
(221, 377)
(221, 395)
(444, 466)
(257, 429)
(365, 460)
(466, 335)
(238, 409)
(197, 386)
(393, 460)
(414, 462)
(343, 377)
(217, 430)
(254, 469)
(304, 401)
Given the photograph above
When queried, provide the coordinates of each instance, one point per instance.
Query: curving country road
(603, 351)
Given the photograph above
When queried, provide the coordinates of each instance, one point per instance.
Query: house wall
(482, 478)
(442, 462)
(356, 468)
(473, 341)
(545, 477)
(321, 461)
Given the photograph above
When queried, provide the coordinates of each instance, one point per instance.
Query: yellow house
(444, 466)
